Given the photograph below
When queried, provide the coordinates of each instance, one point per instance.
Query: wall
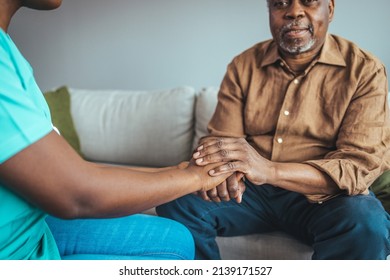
(153, 44)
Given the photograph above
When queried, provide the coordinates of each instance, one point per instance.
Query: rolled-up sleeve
(362, 146)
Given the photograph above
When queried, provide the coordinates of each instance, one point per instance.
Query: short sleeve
(22, 118)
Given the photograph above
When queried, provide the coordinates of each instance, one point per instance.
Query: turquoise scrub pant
(136, 237)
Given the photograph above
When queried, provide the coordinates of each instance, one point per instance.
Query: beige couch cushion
(274, 245)
(206, 102)
(143, 128)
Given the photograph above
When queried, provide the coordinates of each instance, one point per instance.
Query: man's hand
(239, 156)
(232, 188)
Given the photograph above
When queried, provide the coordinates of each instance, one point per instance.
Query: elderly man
(304, 119)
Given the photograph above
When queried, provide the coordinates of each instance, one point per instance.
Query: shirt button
(296, 81)
(280, 140)
(286, 113)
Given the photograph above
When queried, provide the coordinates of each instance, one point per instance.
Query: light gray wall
(155, 44)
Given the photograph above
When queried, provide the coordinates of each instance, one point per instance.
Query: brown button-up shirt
(334, 116)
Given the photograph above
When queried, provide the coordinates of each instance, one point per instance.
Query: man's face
(300, 26)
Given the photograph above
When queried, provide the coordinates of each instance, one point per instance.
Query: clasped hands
(240, 157)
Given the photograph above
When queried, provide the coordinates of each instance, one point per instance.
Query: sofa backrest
(206, 102)
(143, 128)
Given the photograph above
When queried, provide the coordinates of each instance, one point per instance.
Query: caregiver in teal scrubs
(40, 173)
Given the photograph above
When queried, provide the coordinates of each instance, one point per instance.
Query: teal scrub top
(24, 119)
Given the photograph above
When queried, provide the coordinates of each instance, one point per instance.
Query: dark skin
(9, 7)
(299, 28)
(309, 20)
(52, 176)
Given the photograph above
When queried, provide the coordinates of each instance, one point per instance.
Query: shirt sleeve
(363, 142)
(22, 121)
(228, 118)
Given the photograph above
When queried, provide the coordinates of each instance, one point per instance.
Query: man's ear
(331, 6)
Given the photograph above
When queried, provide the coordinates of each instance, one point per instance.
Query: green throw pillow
(59, 104)
(381, 188)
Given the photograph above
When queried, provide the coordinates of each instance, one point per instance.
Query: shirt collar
(330, 54)
(271, 55)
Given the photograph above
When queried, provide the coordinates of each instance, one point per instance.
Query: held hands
(237, 155)
(207, 182)
(232, 188)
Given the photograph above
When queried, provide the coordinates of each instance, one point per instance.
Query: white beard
(297, 49)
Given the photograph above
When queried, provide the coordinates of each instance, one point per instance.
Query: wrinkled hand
(238, 156)
(232, 188)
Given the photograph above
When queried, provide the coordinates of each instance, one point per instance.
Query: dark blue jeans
(345, 227)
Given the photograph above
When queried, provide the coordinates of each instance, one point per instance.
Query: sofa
(154, 128)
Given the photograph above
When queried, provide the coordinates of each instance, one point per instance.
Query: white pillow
(143, 128)
(206, 102)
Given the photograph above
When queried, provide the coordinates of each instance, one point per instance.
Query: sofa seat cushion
(274, 245)
(143, 128)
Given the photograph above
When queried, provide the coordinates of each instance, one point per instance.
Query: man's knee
(359, 221)
(364, 213)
